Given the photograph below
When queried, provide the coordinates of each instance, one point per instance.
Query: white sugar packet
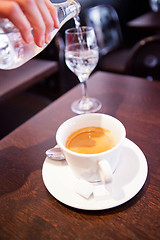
(100, 192)
(85, 189)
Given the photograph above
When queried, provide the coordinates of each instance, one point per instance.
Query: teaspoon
(55, 153)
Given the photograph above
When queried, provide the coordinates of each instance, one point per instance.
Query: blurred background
(116, 41)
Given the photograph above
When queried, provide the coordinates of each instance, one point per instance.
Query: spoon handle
(55, 153)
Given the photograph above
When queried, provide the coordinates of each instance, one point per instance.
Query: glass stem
(84, 90)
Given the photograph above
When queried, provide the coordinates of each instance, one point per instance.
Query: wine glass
(81, 56)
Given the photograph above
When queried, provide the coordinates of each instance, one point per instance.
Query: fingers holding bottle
(49, 15)
(12, 11)
(39, 15)
(42, 16)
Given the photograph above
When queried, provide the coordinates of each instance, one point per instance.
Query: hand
(40, 15)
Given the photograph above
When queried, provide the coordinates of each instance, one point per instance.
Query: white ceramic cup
(92, 167)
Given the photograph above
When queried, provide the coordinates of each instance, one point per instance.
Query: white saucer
(128, 179)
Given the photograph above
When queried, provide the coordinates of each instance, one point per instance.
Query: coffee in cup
(84, 162)
(91, 140)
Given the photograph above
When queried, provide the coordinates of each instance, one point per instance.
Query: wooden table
(28, 211)
(148, 22)
(17, 80)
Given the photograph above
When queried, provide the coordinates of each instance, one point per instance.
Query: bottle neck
(68, 9)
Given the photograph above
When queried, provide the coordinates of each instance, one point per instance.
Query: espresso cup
(92, 167)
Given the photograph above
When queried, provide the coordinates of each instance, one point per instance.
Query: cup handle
(105, 171)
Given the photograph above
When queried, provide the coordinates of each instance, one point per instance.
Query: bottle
(14, 52)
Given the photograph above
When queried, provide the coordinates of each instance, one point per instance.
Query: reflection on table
(148, 22)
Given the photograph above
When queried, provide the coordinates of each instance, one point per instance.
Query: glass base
(87, 105)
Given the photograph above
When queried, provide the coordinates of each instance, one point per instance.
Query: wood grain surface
(29, 212)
